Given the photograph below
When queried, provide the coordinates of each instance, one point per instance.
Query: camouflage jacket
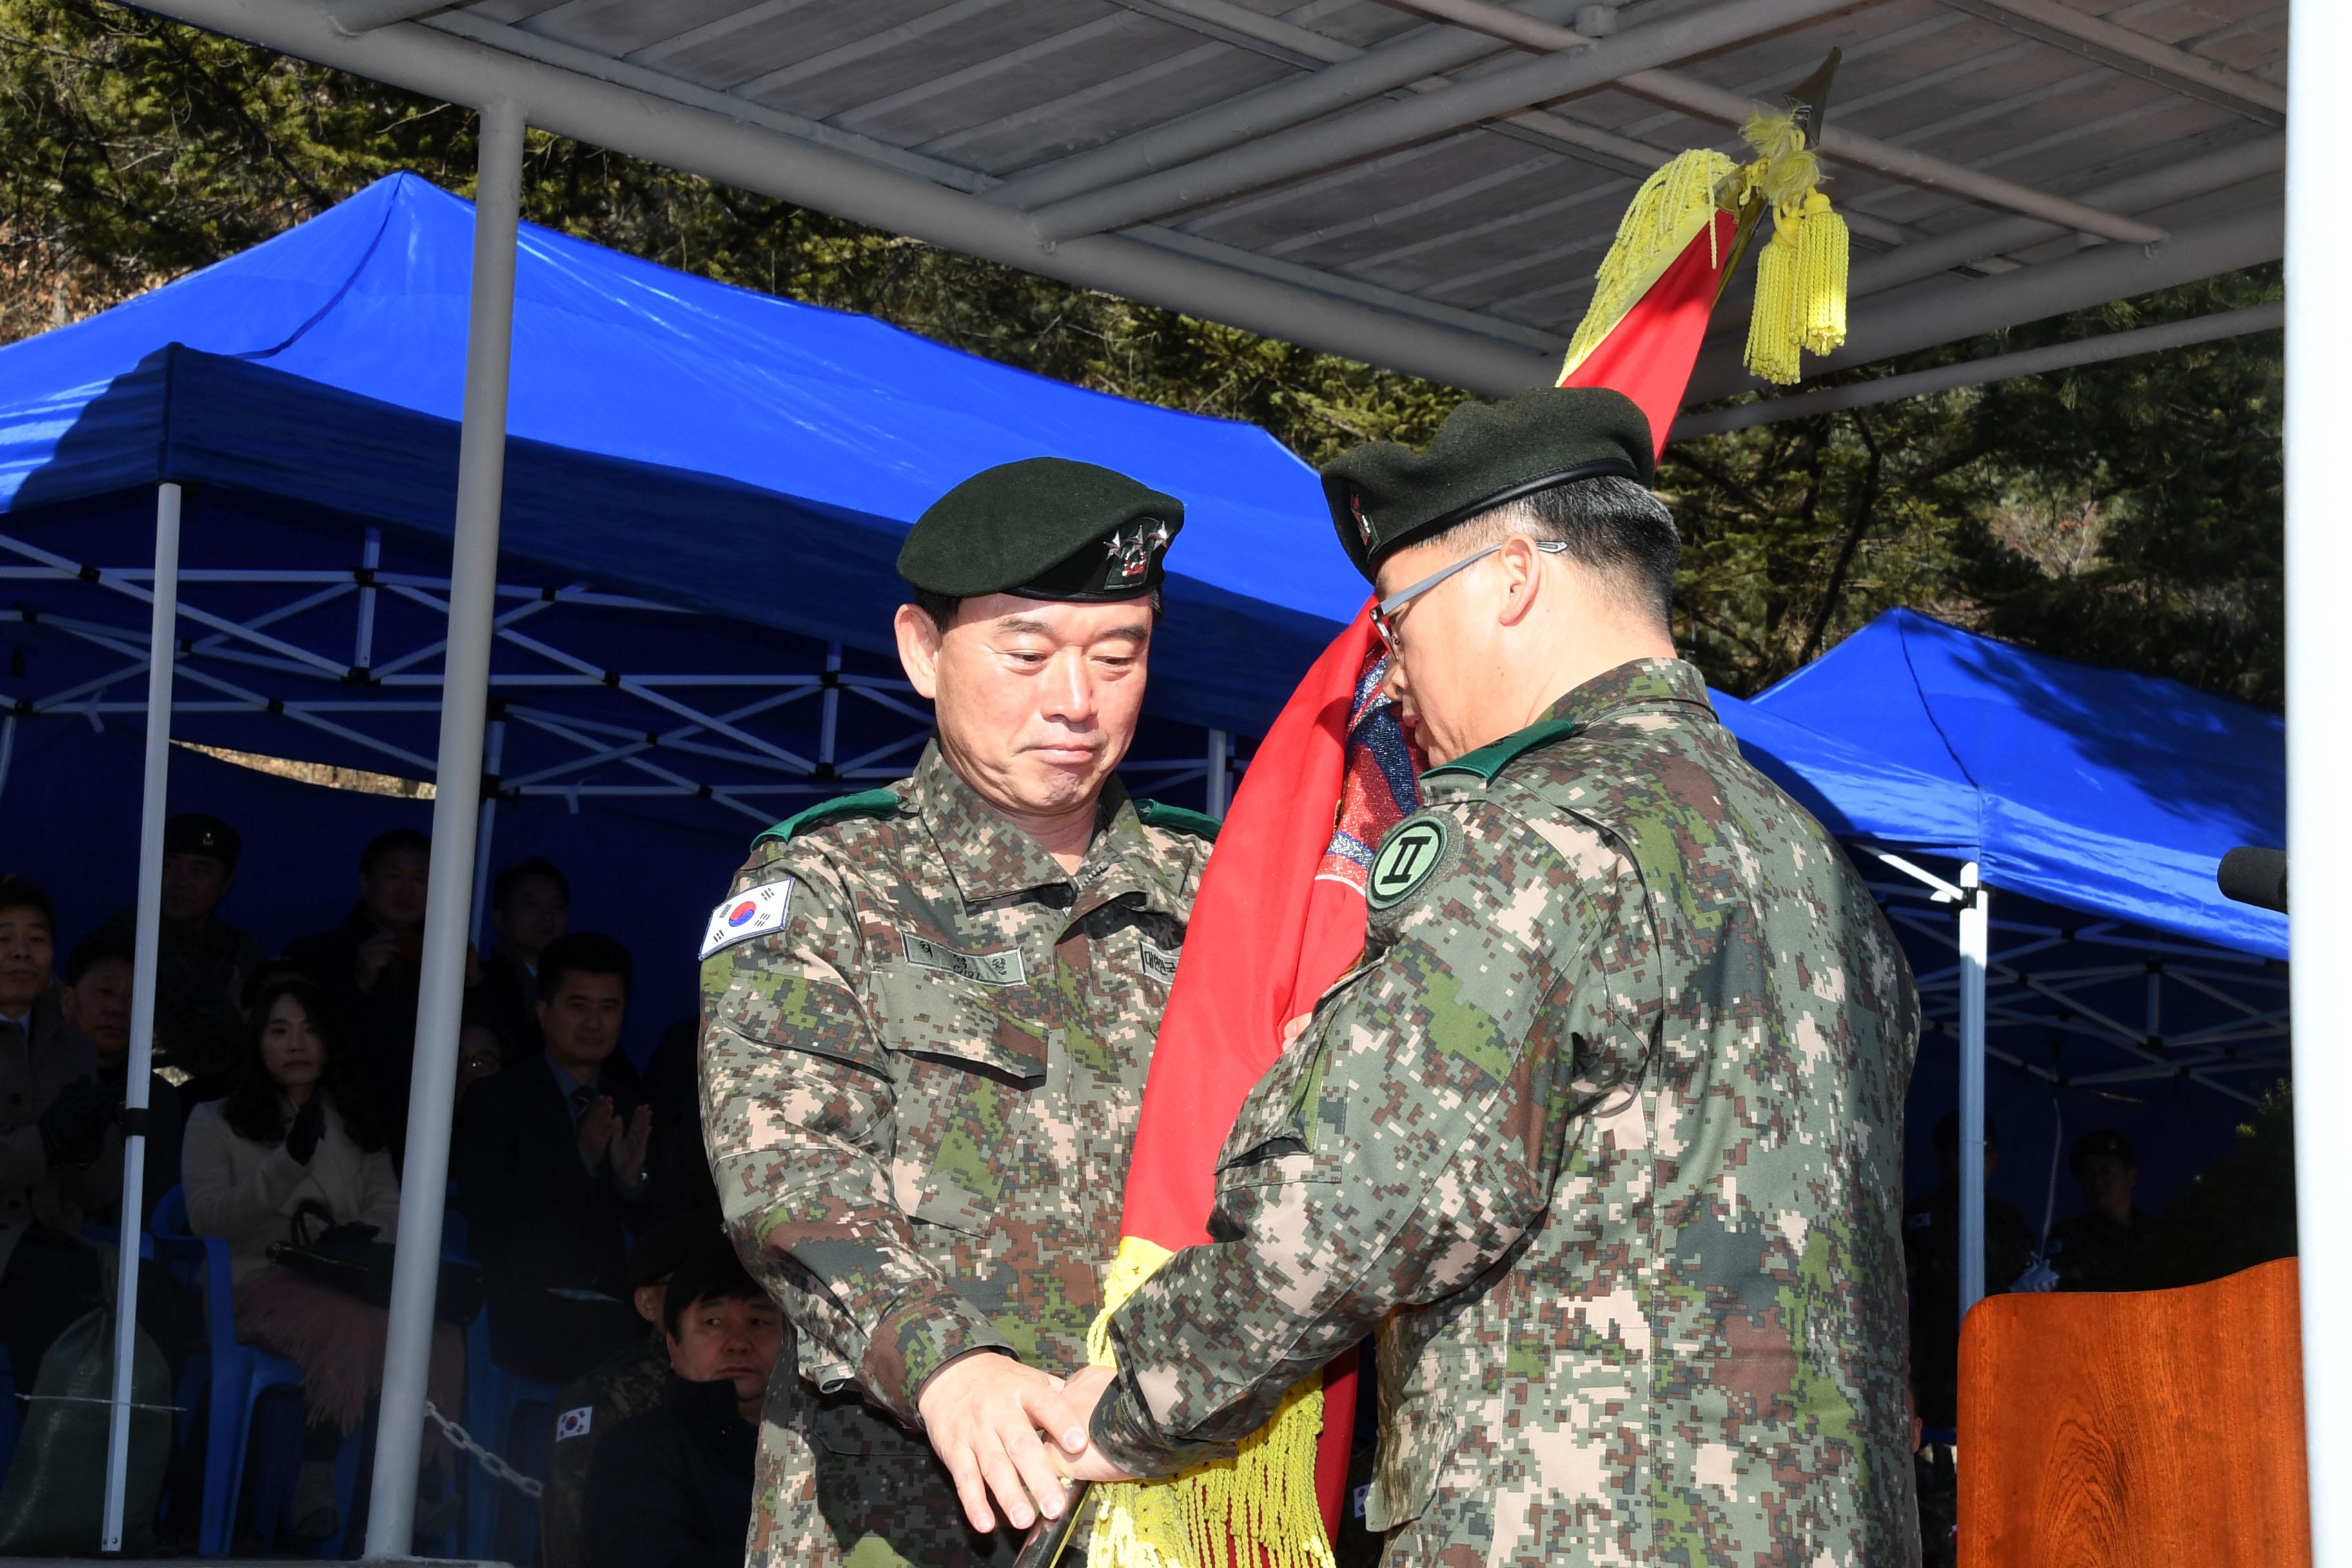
(624, 1385)
(1603, 1141)
(919, 1091)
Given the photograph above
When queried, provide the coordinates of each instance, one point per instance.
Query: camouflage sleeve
(797, 1107)
(1408, 1140)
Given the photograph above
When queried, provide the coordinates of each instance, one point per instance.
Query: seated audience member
(672, 1489)
(680, 1183)
(292, 1150)
(54, 1118)
(531, 905)
(202, 962)
(1931, 1256)
(368, 967)
(626, 1384)
(2105, 1248)
(96, 999)
(481, 1052)
(550, 1161)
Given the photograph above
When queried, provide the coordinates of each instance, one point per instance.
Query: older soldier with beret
(928, 1011)
(1602, 1143)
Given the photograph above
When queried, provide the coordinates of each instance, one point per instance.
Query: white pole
(163, 641)
(1220, 770)
(2319, 719)
(484, 836)
(464, 704)
(1976, 942)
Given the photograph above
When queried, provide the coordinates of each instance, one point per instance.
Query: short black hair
(1613, 526)
(397, 841)
(105, 943)
(582, 952)
(515, 876)
(24, 893)
(711, 1272)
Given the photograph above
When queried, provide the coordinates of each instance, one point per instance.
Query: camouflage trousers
(816, 1507)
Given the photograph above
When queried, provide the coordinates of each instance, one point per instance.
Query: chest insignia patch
(1408, 855)
(1159, 965)
(755, 911)
(1003, 967)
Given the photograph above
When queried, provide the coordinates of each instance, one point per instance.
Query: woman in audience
(290, 1152)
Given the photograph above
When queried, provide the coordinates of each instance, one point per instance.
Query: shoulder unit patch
(1407, 856)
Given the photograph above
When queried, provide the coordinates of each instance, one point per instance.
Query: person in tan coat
(290, 1152)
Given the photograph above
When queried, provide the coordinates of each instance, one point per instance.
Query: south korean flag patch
(752, 912)
(574, 1423)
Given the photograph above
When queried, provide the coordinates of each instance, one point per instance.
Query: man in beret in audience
(202, 962)
(1601, 1143)
(927, 1012)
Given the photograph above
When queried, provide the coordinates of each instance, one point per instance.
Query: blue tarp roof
(713, 447)
(2103, 791)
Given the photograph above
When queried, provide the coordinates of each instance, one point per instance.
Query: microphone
(2254, 876)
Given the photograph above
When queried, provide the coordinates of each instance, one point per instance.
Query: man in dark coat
(672, 1488)
(202, 962)
(369, 966)
(550, 1160)
(2105, 1246)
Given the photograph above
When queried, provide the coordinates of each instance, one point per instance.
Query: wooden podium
(2149, 1428)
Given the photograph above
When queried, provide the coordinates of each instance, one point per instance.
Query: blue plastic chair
(239, 1376)
(494, 1396)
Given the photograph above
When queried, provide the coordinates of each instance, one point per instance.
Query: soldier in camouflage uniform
(1602, 1142)
(927, 1012)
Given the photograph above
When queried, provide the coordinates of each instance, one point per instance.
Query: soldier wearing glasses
(1601, 1144)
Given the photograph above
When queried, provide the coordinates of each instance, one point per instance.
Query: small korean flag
(749, 914)
(574, 1423)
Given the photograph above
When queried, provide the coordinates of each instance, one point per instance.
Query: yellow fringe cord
(1672, 206)
(1257, 1508)
(1801, 274)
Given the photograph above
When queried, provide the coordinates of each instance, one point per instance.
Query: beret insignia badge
(1131, 553)
(1363, 523)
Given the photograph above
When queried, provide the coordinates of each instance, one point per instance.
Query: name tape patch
(1407, 856)
(752, 912)
(999, 968)
(1160, 966)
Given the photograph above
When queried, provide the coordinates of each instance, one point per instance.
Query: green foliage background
(2127, 514)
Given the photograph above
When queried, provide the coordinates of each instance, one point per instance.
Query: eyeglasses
(1384, 613)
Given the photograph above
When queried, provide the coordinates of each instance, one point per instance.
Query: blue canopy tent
(704, 493)
(2098, 805)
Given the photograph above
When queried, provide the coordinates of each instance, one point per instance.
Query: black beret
(196, 834)
(1044, 528)
(2108, 1141)
(1383, 495)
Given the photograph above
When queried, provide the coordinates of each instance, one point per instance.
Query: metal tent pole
(1976, 942)
(162, 640)
(1221, 747)
(464, 704)
(2319, 718)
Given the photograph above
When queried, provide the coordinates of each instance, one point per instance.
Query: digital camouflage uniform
(918, 1093)
(626, 1384)
(1604, 1142)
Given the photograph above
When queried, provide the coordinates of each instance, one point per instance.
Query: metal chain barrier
(464, 1442)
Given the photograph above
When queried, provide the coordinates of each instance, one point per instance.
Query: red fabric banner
(1649, 355)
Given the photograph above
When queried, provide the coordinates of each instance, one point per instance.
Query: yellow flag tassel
(1801, 273)
(1670, 209)
(1257, 1508)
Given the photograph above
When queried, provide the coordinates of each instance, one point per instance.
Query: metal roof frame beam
(1273, 153)
(2136, 54)
(2083, 351)
(1926, 314)
(753, 158)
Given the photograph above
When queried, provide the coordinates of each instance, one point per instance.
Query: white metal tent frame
(1364, 124)
(220, 649)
